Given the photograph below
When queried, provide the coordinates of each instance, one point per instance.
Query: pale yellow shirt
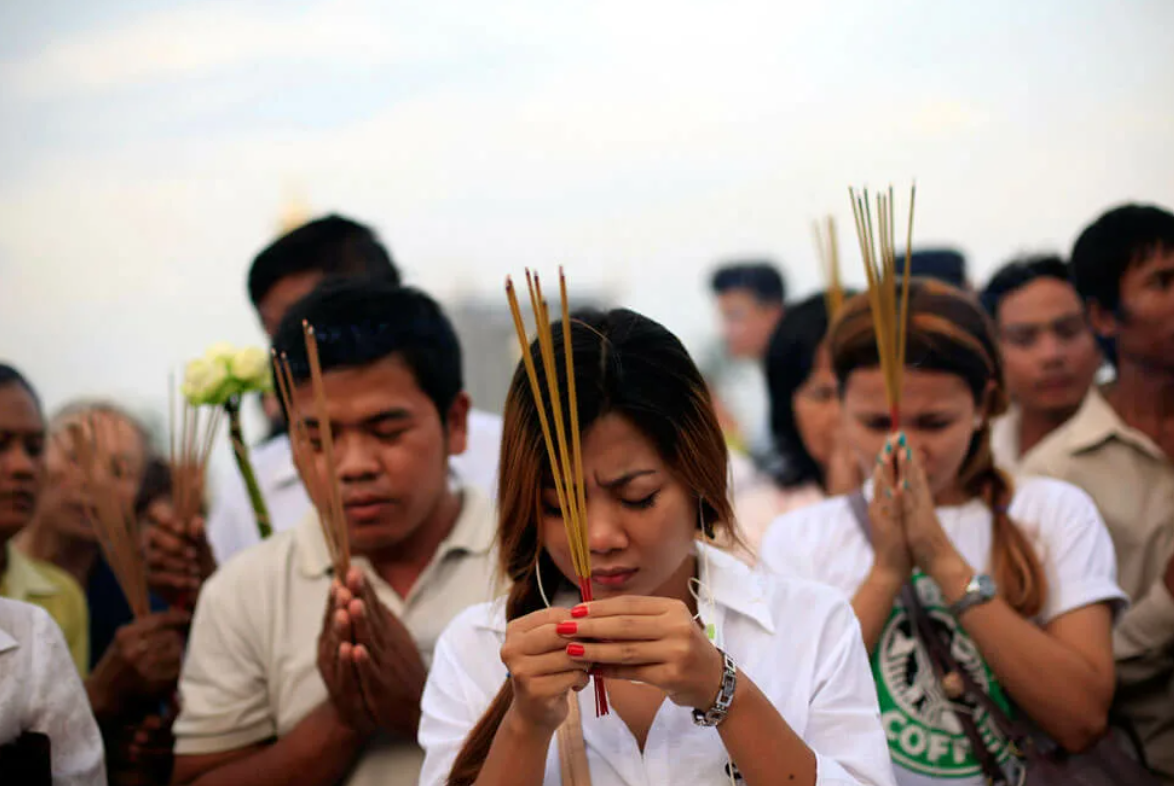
(48, 586)
(1132, 482)
(251, 669)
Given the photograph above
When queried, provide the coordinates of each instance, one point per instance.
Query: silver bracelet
(725, 695)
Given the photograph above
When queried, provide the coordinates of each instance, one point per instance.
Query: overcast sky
(146, 150)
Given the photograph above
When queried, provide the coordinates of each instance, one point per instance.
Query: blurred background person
(1050, 356)
(1119, 448)
(751, 298)
(134, 663)
(22, 476)
(327, 248)
(813, 460)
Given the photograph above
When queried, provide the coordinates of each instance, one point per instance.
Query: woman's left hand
(928, 543)
(651, 640)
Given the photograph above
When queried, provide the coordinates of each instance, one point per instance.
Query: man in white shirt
(41, 693)
(272, 691)
(1049, 353)
(283, 273)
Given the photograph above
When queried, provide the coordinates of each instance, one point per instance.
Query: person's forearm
(318, 751)
(764, 747)
(517, 756)
(1056, 686)
(873, 604)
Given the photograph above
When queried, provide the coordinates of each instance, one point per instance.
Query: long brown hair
(625, 364)
(949, 332)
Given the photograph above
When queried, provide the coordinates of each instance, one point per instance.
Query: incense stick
(337, 520)
(303, 454)
(828, 251)
(115, 525)
(889, 312)
(563, 450)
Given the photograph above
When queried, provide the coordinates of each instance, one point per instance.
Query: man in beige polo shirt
(1119, 447)
(274, 689)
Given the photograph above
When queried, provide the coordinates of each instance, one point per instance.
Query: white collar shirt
(41, 692)
(798, 641)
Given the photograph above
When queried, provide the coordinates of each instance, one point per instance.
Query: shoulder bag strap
(572, 750)
(939, 656)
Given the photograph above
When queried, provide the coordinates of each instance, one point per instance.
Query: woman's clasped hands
(652, 640)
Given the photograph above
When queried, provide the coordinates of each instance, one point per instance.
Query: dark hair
(625, 364)
(1120, 238)
(789, 360)
(358, 322)
(10, 376)
(948, 331)
(332, 245)
(156, 485)
(760, 278)
(1017, 274)
(944, 264)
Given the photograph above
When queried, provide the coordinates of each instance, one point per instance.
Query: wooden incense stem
(564, 450)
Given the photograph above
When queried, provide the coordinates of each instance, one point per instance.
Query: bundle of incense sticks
(890, 318)
(323, 490)
(190, 447)
(113, 521)
(828, 250)
(564, 447)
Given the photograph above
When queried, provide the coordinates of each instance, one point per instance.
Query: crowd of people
(800, 585)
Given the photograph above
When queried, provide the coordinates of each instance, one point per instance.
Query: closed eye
(641, 504)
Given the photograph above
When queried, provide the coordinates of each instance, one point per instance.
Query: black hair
(789, 361)
(332, 245)
(156, 485)
(10, 376)
(761, 278)
(1017, 274)
(359, 321)
(1122, 237)
(944, 264)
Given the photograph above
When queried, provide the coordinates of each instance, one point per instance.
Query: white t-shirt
(825, 543)
(41, 692)
(799, 643)
(232, 527)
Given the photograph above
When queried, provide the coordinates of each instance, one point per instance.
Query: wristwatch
(980, 590)
(725, 695)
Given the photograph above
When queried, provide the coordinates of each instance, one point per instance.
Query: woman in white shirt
(786, 699)
(813, 459)
(1020, 580)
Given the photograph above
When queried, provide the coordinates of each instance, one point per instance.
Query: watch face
(986, 586)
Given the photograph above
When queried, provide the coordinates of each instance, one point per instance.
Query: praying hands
(369, 661)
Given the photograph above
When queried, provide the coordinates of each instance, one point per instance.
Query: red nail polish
(566, 628)
(579, 611)
(576, 650)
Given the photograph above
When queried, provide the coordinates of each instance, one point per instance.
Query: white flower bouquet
(220, 379)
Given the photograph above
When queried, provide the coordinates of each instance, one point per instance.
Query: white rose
(202, 379)
(251, 366)
(220, 352)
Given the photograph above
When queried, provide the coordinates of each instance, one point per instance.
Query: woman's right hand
(542, 673)
(889, 542)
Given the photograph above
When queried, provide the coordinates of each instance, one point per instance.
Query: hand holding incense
(563, 442)
(113, 519)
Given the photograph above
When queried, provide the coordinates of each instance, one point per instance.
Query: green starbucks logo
(920, 721)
